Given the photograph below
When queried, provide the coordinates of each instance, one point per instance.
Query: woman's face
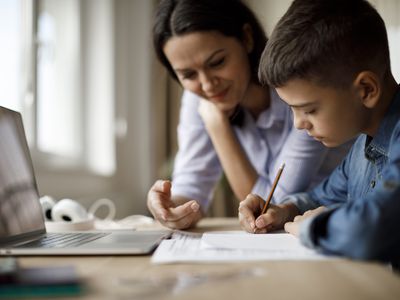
(211, 65)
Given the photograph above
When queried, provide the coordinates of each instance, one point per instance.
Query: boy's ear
(248, 40)
(368, 88)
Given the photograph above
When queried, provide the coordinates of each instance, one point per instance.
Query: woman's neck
(257, 99)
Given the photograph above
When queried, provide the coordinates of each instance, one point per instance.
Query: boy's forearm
(302, 201)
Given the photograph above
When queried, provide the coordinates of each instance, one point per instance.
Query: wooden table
(134, 277)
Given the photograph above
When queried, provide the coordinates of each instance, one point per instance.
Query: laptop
(22, 227)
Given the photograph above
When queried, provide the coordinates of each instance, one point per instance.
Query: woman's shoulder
(189, 108)
(190, 99)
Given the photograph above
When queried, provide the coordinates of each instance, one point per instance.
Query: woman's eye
(217, 62)
(188, 75)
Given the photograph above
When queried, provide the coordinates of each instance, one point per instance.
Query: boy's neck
(389, 88)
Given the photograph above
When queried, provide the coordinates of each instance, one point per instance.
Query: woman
(228, 122)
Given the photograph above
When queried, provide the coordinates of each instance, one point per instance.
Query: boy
(329, 60)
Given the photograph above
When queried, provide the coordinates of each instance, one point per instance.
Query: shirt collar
(275, 112)
(380, 142)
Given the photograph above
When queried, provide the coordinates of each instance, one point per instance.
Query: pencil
(271, 193)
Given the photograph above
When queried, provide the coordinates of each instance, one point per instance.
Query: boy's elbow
(354, 242)
(379, 248)
(367, 238)
(363, 252)
(362, 246)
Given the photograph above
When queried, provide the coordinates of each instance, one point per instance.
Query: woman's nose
(208, 82)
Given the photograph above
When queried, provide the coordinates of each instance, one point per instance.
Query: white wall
(269, 11)
(140, 94)
(118, 64)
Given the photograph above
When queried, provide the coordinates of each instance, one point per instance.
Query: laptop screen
(20, 210)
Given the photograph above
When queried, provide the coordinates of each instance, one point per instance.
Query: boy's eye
(217, 62)
(310, 112)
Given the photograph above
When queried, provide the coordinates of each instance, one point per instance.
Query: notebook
(22, 227)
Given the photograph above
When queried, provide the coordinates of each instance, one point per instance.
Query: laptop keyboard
(62, 240)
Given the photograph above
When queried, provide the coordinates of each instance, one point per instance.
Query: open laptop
(22, 228)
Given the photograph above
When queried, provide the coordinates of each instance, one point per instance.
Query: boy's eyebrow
(301, 105)
(210, 57)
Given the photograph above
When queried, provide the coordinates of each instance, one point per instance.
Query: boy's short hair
(327, 42)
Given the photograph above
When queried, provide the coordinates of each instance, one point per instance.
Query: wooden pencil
(271, 193)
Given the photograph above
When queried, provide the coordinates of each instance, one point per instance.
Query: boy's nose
(301, 123)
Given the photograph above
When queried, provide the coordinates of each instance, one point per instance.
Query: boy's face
(331, 116)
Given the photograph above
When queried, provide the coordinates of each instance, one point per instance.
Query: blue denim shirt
(362, 196)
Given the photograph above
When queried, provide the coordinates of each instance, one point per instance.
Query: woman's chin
(228, 110)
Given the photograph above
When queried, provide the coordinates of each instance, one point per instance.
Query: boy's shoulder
(386, 142)
(389, 127)
(396, 133)
(394, 117)
(394, 143)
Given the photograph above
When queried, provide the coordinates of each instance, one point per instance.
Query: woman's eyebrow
(209, 58)
(213, 54)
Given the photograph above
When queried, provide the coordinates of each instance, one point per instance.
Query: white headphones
(69, 215)
(68, 210)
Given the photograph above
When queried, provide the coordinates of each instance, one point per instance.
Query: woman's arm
(238, 169)
(196, 165)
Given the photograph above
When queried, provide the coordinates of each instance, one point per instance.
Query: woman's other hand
(178, 214)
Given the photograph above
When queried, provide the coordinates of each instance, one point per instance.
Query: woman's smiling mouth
(219, 96)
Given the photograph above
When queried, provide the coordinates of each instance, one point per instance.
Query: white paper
(245, 240)
(233, 246)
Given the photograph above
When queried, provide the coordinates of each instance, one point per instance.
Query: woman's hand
(171, 214)
(211, 115)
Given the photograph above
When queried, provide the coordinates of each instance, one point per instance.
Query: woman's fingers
(183, 216)
(159, 199)
(175, 214)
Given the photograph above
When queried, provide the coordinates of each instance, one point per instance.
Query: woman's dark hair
(178, 17)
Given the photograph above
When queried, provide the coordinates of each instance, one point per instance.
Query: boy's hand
(248, 208)
(294, 227)
(169, 213)
(275, 217)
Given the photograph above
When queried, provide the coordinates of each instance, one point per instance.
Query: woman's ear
(248, 40)
(368, 88)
